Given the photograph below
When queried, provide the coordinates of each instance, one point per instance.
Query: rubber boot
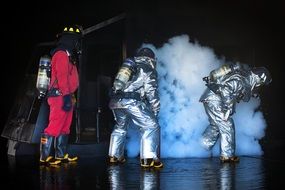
(149, 162)
(115, 160)
(229, 159)
(60, 145)
(45, 150)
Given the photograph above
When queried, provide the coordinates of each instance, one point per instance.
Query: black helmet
(69, 39)
(147, 52)
(75, 29)
(263, 74)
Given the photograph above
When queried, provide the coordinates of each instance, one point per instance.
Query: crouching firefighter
(60, 97)
(135, 99)
(226, 86)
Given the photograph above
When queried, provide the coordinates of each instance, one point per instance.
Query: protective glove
(156, 113)
(67, 102)
(228, 111)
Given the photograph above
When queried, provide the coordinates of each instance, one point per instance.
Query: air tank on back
(223, 70)
(124, 74)
(43, 78)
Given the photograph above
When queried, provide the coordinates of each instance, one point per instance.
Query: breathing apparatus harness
(68, 41)
(226, 72)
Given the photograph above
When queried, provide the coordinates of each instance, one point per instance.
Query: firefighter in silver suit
(135, 99)
(226, 86)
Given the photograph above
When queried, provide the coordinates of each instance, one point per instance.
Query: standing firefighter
(135, 99)
(64, 82)
(227, 86)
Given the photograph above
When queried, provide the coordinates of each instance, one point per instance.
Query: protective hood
(69, 42)
(146, 60)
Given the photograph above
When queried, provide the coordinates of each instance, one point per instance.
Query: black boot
(45, 150)
(149, 162)
(229, 159)
(61, 149)
(115, 160)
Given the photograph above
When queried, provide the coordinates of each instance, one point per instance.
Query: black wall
(244, 31)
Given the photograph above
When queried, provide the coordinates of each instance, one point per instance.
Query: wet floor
(185, 173)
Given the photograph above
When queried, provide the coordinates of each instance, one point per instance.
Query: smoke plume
(181, 66)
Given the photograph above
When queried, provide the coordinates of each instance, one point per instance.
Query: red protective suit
(64, 76)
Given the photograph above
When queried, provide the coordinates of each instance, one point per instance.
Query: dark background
(246, 31)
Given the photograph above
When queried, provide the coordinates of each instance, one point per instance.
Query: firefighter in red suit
(64, 83)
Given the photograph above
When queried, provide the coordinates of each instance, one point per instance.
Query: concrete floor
(185, 173)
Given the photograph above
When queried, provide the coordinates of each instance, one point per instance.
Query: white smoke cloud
(181, 67)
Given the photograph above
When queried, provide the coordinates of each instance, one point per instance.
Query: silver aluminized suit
(220, 104)
(141, 109)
